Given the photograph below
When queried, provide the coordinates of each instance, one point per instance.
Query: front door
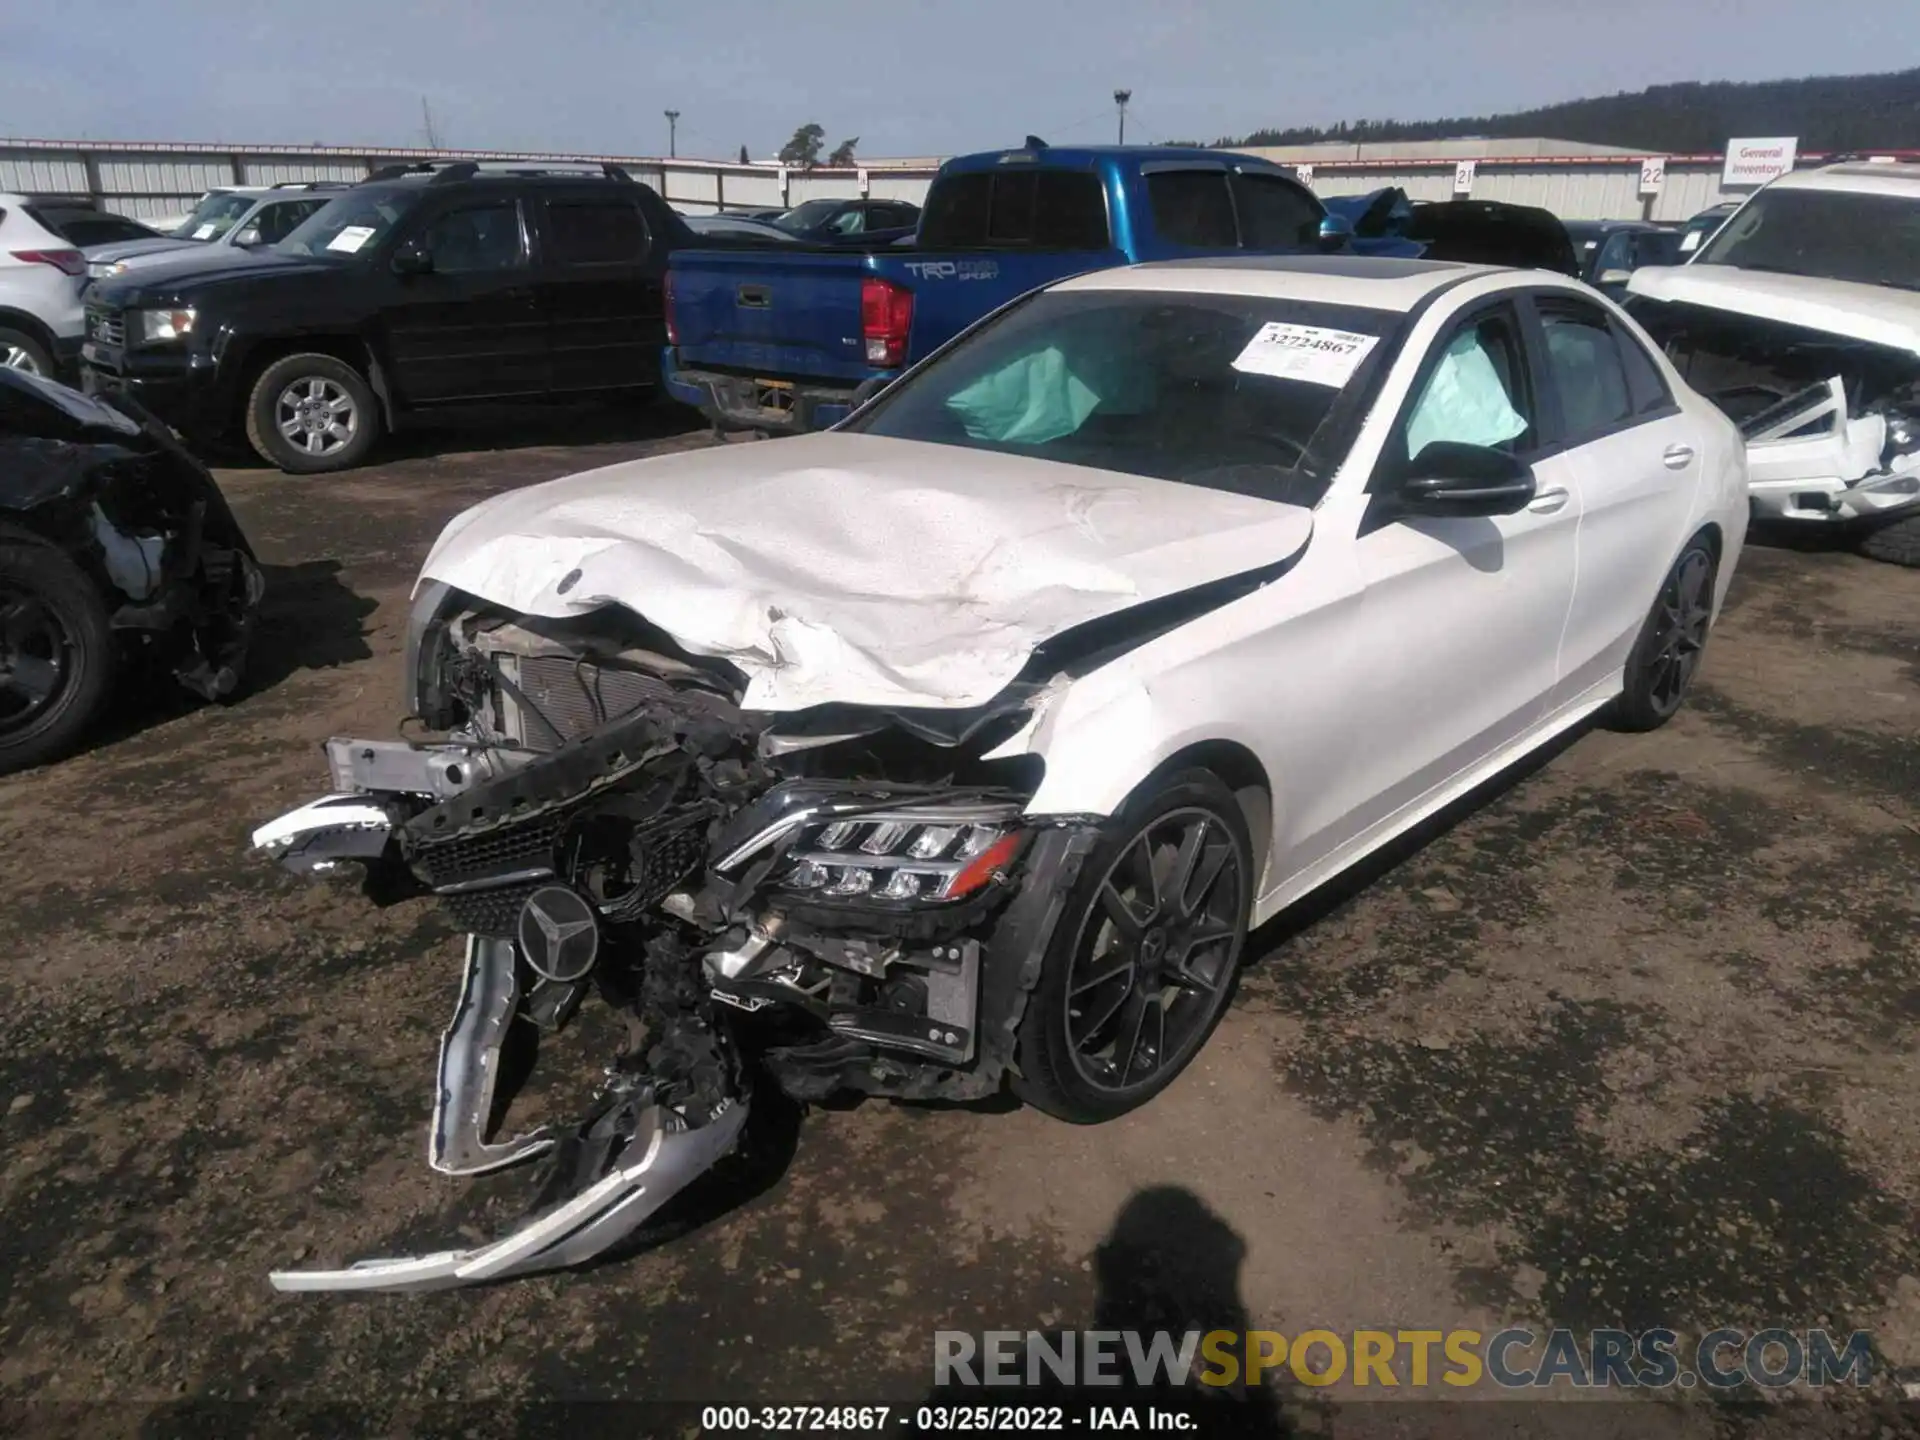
(604, 304)
(1461, 618)
(468, 326)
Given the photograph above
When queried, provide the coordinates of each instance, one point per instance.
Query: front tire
(1146, 955)
(1897, 544)
(56, 655)
(1665, 657)
(312, 415)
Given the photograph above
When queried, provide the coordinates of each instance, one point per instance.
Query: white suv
(1800, 317)
(41, 275)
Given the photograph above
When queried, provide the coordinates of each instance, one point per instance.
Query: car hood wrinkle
(849, 569)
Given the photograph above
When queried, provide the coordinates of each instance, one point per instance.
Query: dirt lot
(1632, 1042)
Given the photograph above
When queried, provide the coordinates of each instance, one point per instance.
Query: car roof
(1370, 284)
(1859, 177)
(1082, 157)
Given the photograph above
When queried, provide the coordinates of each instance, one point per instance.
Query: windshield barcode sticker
(1305, 352)
(351, 238)
(205, 232)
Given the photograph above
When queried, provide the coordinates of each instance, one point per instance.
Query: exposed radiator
(575, 696)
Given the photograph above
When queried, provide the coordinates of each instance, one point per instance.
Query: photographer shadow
(1169, 1264)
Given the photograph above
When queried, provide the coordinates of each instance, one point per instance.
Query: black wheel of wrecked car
(1897, 544)
(56, 654)
(1146, 955)
(1664, 658)
(312, 414)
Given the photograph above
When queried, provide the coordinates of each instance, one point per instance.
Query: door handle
(1548, 501)
(1677, 457)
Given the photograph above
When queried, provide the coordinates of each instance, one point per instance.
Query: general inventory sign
(1755, 162)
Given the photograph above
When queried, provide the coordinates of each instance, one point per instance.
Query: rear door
(1614, 420)
(603, 301)
(470, 326)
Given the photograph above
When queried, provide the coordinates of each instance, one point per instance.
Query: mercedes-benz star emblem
(558, 934)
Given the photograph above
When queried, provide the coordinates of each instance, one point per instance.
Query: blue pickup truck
(779, 340)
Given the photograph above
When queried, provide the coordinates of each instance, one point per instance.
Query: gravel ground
(1628, 1041)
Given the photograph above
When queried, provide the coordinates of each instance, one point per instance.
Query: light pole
(1120, 98)
(673, 124)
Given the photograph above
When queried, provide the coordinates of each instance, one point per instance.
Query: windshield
(214, 216)
(1830, 234)
(354, 224)
(1226, 391)
(806, 217)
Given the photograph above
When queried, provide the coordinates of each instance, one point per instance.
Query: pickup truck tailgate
(770, 312)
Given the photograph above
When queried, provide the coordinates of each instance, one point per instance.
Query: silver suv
(241, 217)
(42, 273)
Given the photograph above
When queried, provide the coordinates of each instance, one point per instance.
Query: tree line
(1826, 113)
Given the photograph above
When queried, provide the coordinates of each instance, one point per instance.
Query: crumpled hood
(852, 569)
(1876, 314)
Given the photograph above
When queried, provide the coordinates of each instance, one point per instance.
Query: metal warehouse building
(1574, 180)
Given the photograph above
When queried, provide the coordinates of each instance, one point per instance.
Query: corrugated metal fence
(150, 179)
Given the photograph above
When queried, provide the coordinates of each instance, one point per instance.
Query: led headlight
(105, 269)
(914, 856)
(158, 325)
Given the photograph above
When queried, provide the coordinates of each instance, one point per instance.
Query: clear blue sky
(911, 77)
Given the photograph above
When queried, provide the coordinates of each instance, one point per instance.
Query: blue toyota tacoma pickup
(778, 340)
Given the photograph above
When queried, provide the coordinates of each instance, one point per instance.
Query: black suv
(424, 285)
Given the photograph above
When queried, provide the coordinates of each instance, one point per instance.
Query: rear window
(1225, 391)
(595, 232)
(89, 227)
(1016, 209)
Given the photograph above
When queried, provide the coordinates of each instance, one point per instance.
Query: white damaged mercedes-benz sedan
(958, 747)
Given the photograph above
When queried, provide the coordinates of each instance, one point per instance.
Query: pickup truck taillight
(72, 262)
(886, 315)
(673, 330)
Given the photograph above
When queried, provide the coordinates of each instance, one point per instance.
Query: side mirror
(1613, 277)
(1448, 479)
(1336, 233)
(412, 258)
(248, 238)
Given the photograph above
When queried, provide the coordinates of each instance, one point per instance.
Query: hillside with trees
(1828, 112)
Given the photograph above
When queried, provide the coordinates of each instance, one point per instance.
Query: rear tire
(1897, 544)
(312, 414)
(20, 351)
(1140, 969)
(1666, 656)
(56, 654)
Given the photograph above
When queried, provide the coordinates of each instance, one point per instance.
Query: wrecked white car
(959, 746)
(1801, 319)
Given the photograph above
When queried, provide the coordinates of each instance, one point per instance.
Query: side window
(275, 221)
(1476, 393)
(1192, 207)
(595, 232)
(1646, 386)
(1588, 374)
(477, 238)
(850, 221)
(1616, 254)
(1274, 213)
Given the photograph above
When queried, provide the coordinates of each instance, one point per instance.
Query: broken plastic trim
(470, 1068)
(667, 1159)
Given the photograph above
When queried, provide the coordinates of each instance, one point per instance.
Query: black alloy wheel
(1665, 658)
(55, 654)
(1146, 955)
